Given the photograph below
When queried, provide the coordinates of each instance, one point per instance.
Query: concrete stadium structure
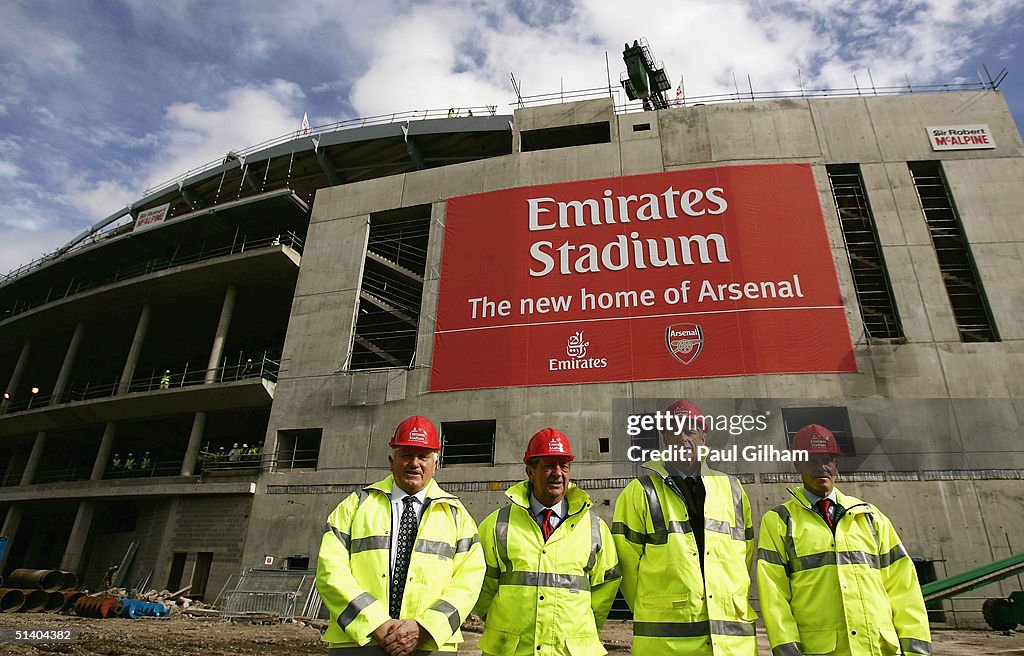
(288, 300)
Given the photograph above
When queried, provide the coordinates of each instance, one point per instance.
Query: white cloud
(19, 247)
(242, 117)
(97, 199)
(36, 47)
(8, 170)
(455, 52)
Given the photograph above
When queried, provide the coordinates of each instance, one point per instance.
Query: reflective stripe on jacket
(546, 597)
(854, 592)
(676, 608)
(446, 569)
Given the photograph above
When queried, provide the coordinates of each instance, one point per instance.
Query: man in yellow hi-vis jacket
(551, 566)
(400, 564)
(686, 544)
(832, 575)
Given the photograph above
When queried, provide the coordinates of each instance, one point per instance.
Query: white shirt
(397, 506)
(814, 499)
(559, 510)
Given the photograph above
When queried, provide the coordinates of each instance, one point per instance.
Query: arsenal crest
(684, 341)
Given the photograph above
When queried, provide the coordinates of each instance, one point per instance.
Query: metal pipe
(70, 581)
(11, 600)
(70, 598)
(48, 580)
(35, 600)
(55, 603)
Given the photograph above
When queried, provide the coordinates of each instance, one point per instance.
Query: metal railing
(264, 368)
(266, 592)
(76, 286)
(623, 106)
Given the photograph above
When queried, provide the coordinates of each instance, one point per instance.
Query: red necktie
(545, 524)
(825, 505)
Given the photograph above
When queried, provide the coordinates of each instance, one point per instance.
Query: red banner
(712, 272)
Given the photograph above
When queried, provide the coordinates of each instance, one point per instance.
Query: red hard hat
(548, 442)
(416, 431)
(684, 408)
(813, 438)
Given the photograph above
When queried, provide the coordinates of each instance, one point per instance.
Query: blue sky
(101, 99)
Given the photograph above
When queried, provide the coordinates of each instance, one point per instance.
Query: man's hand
(404, 638)
(381, 632)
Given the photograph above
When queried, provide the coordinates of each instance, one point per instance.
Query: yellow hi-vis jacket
(446, 568)
(677, 609)
(854, 592)
(546, 597)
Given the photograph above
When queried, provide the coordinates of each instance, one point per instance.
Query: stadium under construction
(199, 379)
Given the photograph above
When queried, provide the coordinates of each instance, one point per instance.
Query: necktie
(403, 550)
(825, 507)
(545, 523)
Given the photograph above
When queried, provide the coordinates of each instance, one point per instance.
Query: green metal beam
(974, 578)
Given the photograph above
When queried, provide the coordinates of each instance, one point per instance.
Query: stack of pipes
(38, 590)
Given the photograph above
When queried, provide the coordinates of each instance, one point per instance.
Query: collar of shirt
(674, 470)
(814, 498)
(560, 509)
(397, 494)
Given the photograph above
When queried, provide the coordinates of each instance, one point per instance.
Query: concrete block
(564, 165)
(840, 124)
(934, 297)
(334, 255)
(313, 319)
(988, 195)
(883, 207)
(685, 138)
(359, 198)
(780, 129)
(1001, 271)
(556, 115)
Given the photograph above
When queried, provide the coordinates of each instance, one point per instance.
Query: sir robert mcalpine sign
(960, 137)
(710, 272)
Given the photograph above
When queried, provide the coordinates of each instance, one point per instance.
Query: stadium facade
(252, 334)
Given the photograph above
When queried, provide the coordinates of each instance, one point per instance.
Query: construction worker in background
(221, 455)
(108, 577)
(147, 462)
(115, 462)
(165, 380)
(686, 544)
(552, 571)
(400, 563)
(234, 453)
(129, 463)
(832, 575)
(451, 112)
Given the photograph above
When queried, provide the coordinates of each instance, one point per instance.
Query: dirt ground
(185, 636)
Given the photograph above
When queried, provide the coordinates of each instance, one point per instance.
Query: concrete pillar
(103, 455)
(11, 523)
(75, 550)
(34, 458)
(195, 440)
(15, 380)
(136, 349)
(223, 325)
(69, 363)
